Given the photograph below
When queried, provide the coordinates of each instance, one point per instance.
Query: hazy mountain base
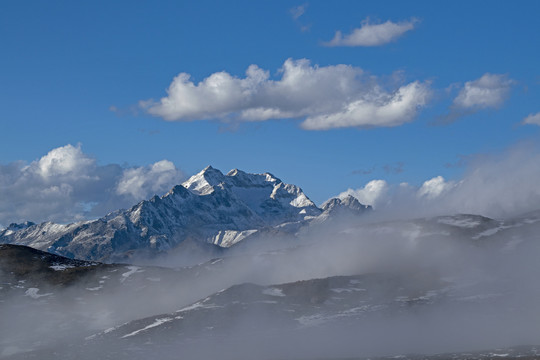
(484, 294)
(332, 317)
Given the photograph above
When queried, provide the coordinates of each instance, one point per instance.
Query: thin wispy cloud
(370, 34)
(532, 119)
(325, 97)
(461, 162)
(298, 11)
(396, 168)
(362, 171)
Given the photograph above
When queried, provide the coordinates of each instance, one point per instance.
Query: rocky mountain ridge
(210, 207)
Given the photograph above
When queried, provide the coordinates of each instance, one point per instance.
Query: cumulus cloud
(67, 185)
(388, 110)
(324, 96)
(434, 187)
(532, 119)
(373, 34)
(65, 160)
(489, 91)
(140, 181)
(495, 186)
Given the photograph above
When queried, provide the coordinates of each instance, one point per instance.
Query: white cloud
(67, 185)
(489, 91)
(434, 187)
(141, 181)
(326, 96)
(532, 119)
(372, 34)
(64, 160)
(389, 110)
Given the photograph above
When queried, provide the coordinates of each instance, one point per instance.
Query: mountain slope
(332, 318)
(447, 283)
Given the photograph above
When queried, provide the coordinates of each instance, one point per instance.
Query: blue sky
(76, 73)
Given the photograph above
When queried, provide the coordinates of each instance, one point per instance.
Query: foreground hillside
(451, 285)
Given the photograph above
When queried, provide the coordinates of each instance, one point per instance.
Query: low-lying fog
(478, 260)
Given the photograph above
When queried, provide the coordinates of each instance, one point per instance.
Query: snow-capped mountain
(211, 207)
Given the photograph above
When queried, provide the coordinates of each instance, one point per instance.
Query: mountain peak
(348, 202)
(203, 182)
(210, 171)
(208, 168)
(242, 178)
(13, 227)
(265, 194)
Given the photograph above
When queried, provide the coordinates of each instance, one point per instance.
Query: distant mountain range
(211, 208)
